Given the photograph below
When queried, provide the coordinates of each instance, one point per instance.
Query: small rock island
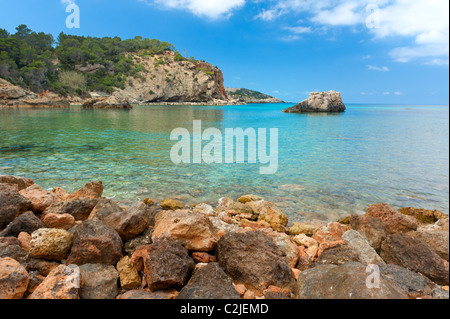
(319, 102)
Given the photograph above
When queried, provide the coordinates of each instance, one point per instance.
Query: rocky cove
(81, 245)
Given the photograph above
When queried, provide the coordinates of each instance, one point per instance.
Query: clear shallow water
(338, 164)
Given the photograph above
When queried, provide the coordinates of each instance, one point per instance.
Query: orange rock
(296, 272)
(63, 282)
(13, 279)
(91, 190)
(330, 233)
(61, 193)
(40, 199)
(61, 221)
(25, 240)
(241, 289)
(202, 257)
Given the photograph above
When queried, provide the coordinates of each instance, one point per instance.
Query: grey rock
(319, 102)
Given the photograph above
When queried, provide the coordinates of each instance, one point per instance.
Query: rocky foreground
(56, 245)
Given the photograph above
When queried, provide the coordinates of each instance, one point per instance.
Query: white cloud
(299, 30)
(378, 68)
(398, 93)
(209, 8)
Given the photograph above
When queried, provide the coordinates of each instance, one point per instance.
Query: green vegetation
(244, 93)
(73, 64)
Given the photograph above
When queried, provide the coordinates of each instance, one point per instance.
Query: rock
(43, 267)
(413, 254)
(367, 255)
(129, 276)
(98, 281)
(61, 193)
(374, 230)
(95, 243)
(348, 281)
(20, 182)
(241, 289)
(423, 216)
(128, 224)
(209, 282)
(63, 282)
(303, 240)
(289, 248)
(276, 293)
(330, 233)
(249, 198)
(267, 211)
(203, 258)
(204, 209)
(299, 229)
(227, 204)
(443, 224)
(338, 255)
(35, 280)
(25, 241)
(319, 102)
(110, 102)
(13, 279)
(40, 199)
(440, 294)
(436, 239)
(393, 220)
(10, 247)
(27, 223)
(414, 284)
(171, 204)
(144, 239)
(60, 221)
(12, 204)
(145, 294)
(91, 190)
(165, 263)
(80, 209)
(194, 230)
(307, 256)
(51, 244)
(253, 259)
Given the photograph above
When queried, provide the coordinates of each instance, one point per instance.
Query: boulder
(142, 240)
(307, 256)
(286, 245)
(62, 282)
(98, 281)
(13, 279)
(319, 102)
(110, 102)
(80, 209)
(348, 281)
(95, 243)
(366, 254)
(305, 229)
(51, 244)
(249, 198)
(270, 213)
(16, 181)
(40, 199)
(338, 255)
(373, 229)
(60, 221)
(129, 276)
(91, 190)
(413, 254)
(171, 204)
(194, 230)
(25, 241)
(393, 220)
(204, 209)
(209, 282)
(423, 216)
(10, 247)
(12, 204)
(27, 223)
(104, 208)
(253, 259)
(436, 239)
(166, 264)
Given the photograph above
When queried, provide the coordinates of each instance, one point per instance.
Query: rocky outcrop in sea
(81, 245)
(319, 102)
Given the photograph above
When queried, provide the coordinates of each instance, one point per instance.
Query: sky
(373, 51)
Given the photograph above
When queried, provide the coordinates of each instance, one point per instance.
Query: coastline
(243, 248)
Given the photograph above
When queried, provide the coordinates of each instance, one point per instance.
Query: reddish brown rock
(60, 221)
(286, 245)
(307, 257)
(338, 255)
(80, 209)
(146, 294)
(40, 199)
(12, 204)
(13, 279)
(194, 230)
(91, 190)
(330, 233)
(27, 222)
(274, 293)
(393, 220)
(414, 254)
(25, 240)
(202, 257)
(61, 193)
(165, 263)
(63, 282)
(95, 243)
(436, 239)
(374, 230)
(10, 247)
(98, 282)
(19, 182)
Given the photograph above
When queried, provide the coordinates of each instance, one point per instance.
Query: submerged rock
(319, 102)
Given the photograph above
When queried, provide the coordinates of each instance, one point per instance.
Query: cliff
(250, 97)
(319, 102)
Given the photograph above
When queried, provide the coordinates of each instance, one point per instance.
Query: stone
(276, 293)
(10, 247)
(129, 276)
(374, 230)
(270, 213)
(249, 198)
(209, 282)
(423, 216)
(286, 245)
(440, 294)
(40, 199)
(413, 254)
(348, 281)
(92, 190)
(330, 233)
(12, 204)
(98, 281)
(25, 241)
(171, 204)
(414, 284)
(110, 102)
(16, 181)
(204, 209)
(443, 224)
(61, 193)
(13, 279)
(51, 244)
(227, 204)
(166, 264)
(144, 239)
(80, 209)
(436, 239)
(60, 221)
(27, 222)
(203, 258)
(240, 289)
(62, 282)
(223, 228)
(194, 230)
(393, 220)
(307, 256)
(303, 240)
(95, 243)
(35, 280)
(367, 255)
(253, 259)
(338, 255)
(319, 102)
(43, 267)
(299, 229)
(146, 294)
(104, 208)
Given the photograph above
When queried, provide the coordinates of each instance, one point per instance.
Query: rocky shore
(319, 102)
(80, 245)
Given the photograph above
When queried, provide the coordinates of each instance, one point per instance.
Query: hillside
(250, 97)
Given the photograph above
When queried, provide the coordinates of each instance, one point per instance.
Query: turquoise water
(329, 164)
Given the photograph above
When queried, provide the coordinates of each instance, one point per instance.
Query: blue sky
(373, 51)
